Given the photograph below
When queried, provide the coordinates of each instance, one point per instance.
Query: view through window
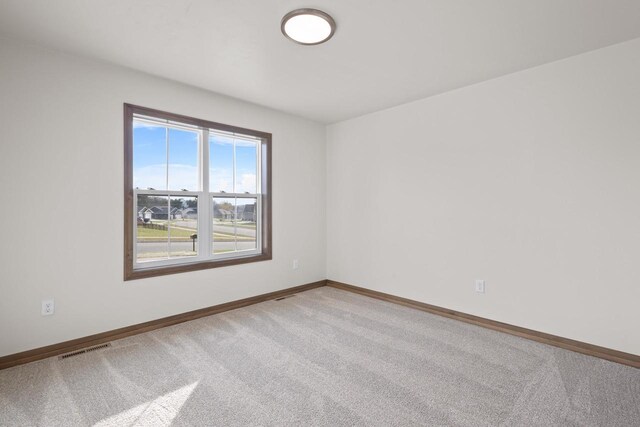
(199, 193)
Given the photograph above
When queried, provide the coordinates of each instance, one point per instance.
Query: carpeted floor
(322, 357)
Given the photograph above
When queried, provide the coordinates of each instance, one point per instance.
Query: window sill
(143, 273)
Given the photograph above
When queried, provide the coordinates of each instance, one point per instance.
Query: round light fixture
(308, 26)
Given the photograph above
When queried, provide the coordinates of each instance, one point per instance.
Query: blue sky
(150, 160)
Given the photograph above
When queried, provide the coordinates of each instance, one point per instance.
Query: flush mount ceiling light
(308, 26)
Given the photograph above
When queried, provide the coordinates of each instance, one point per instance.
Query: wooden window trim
(267, 239)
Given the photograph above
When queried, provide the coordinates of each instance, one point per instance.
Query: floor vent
(84, 350)
(285, 297)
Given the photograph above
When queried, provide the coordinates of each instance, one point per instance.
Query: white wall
(61, 162)
(529, 181)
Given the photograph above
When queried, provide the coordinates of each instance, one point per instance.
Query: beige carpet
(322, 357)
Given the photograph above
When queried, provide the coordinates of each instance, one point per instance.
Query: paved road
(217, 227)
(240, 231)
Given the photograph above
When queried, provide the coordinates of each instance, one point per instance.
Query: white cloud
(154, 176)
(221, 180)
(186, 176)
(247, 182)
(145, 125)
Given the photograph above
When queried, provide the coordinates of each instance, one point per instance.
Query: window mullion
(168, 226)
(259, 223)
(166, 174)
(234, 165)
(238, 195)
(235, 216)
(259, 194)
(204, 200)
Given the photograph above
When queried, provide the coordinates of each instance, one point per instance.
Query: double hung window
(197, 194)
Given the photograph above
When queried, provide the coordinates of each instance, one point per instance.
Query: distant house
(247, 212)
(188, 213)
(222, 214)
(162, 212)
(242, 213)
(145, 214)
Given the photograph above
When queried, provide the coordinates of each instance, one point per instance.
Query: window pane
(183, 160)
(247, 216)
(234, 224)
(149, 156)
(220, 164)
(224, 214)
(152, 241)
(246, 166)
(183, 227)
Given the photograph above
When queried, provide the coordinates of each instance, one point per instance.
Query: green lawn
(251, 225)
(175, 232)
(178, 233)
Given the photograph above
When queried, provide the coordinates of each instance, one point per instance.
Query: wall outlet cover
(48, 307)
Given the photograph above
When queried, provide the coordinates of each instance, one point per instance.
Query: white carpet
(322, 357)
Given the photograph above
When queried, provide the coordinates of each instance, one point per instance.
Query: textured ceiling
(384, 52)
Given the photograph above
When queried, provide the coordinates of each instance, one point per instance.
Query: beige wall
(61, 169)
(528, 181)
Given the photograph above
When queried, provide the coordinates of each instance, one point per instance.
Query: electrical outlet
(296, 264)
(480, 286)
(47, 307)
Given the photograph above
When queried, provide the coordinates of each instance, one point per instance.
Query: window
(197, 194)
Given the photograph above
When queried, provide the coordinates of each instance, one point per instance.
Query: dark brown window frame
(267, 241)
